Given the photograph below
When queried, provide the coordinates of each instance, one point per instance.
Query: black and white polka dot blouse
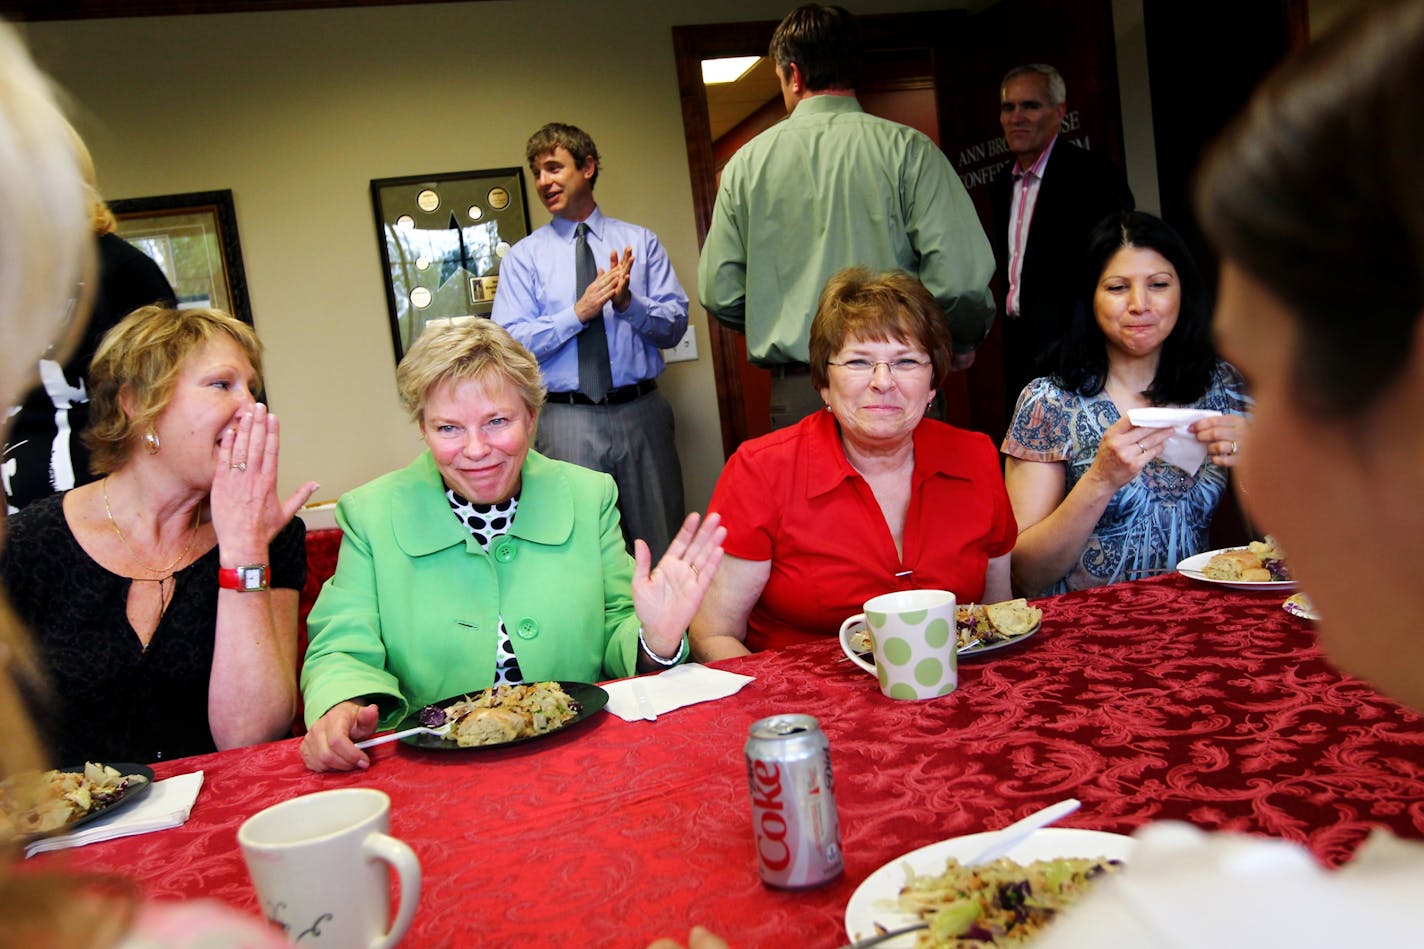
(486, 523)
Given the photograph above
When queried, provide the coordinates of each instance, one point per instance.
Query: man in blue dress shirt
(596, 300)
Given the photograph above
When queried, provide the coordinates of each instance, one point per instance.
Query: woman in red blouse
(864, 498)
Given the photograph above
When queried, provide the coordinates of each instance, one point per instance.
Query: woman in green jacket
(483, 562)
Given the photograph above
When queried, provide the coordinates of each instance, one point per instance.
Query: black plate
(133, 792)
(590, 699)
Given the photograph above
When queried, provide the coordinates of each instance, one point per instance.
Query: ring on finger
(239, 466)
(693, 568)
(1141, 449)
(1235, 447)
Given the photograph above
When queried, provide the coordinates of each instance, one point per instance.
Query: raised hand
(246, 511)
(622, 295)
(667, 597)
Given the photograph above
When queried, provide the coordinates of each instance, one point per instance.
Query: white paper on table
(687, 684)
(1182, 449)
(167, 804)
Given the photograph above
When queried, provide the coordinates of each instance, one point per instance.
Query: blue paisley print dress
(1153, 521)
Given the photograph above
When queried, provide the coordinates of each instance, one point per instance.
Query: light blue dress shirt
(535, 301)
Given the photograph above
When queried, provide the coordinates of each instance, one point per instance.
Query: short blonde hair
(475, 349)
(139, 359)
(857, 303)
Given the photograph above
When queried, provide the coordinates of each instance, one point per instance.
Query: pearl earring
(151, 442)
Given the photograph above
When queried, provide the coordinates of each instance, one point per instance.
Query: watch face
(245, 579)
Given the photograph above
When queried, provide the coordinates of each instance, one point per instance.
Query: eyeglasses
(904, 366)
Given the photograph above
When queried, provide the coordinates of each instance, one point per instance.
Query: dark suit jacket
(1079, 189)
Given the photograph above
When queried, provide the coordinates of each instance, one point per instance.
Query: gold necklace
(165, 571)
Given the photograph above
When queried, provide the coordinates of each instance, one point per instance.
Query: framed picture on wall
(442, 238)
(193, 239)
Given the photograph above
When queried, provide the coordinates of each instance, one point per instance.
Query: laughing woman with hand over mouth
(163, 597)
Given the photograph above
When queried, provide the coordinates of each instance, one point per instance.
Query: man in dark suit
(1045, 205)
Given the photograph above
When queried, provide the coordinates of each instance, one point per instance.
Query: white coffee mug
(914, 640)
(321, 865)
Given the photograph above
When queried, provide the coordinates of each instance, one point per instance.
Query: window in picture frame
(193, 239)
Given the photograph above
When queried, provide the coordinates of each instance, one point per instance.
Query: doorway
(937, 72)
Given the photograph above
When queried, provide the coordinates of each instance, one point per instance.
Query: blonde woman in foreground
(45, 254)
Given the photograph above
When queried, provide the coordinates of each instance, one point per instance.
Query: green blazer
(412, 614)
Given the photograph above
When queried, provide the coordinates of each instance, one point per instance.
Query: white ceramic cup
(914, 640)
(321, 865)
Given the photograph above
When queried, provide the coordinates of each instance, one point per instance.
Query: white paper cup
(321, 865)
(913, 638)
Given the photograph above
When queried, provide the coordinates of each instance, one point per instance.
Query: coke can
(794, 823)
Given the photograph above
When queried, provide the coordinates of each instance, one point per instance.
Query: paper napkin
(686, 684)
(1182, 449)
(167, 804)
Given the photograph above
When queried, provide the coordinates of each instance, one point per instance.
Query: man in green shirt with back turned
(832, 187)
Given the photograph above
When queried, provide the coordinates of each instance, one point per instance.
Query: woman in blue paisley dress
(1094, 500)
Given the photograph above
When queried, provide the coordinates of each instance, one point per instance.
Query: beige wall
(296, 112)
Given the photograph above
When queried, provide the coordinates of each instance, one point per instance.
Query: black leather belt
(614, 397)
(783, 369)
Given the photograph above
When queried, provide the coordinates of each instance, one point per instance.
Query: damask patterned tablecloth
(1158, 699)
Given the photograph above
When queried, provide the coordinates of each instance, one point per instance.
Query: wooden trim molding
(36, 10)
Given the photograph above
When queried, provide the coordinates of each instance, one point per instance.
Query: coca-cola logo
(767, 817)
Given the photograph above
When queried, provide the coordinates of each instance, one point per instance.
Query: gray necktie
(595, 375)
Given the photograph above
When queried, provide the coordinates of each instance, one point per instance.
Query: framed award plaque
(442, 238)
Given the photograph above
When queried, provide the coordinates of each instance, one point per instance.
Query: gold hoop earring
(151, 442)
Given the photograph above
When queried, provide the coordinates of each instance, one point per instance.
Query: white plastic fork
(439, 732)
(1016, 833)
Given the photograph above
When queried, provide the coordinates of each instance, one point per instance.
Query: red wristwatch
(245, 579)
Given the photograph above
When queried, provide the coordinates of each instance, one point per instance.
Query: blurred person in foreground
(45, 253)
(163, 597)
(1324, 154)
(1096, 499)
(483, 562)
(1327, 328)
(44, 450)
(865, 497)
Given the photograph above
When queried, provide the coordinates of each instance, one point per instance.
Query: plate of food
(505, 715)
(982, 627)
(1258, 566)
(1053, 868)
(48, 803)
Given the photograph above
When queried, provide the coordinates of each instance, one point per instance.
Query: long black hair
(1184, 371)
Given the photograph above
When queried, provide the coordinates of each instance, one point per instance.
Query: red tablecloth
(1158, 699)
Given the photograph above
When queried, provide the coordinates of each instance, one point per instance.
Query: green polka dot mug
(912, 636)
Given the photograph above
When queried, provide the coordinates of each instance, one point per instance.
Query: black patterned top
(486, 522)
(114, 700)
